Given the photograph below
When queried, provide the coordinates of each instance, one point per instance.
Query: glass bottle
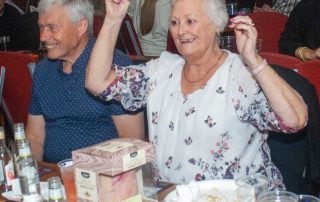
(55, 189)
(6, 164)
(19, 134)
(27, 170)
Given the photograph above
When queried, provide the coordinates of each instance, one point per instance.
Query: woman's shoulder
(166, 62)
(171, 59)
(237, 66)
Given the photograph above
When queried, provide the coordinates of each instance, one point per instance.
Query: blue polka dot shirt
(73, 117)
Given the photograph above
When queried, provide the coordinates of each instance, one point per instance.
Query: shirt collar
(81, 63)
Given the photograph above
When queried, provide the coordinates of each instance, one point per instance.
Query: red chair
(269, 25)
(171, 47)
(311, 71)
(129, 38)
(281, 59)
(17, 86)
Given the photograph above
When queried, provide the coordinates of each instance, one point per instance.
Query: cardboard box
(110, 171)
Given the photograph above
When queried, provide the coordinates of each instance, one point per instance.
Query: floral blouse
(218, 131)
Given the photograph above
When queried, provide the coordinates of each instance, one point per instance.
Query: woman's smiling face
(192, 30)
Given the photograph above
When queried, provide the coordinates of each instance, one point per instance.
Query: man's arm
(130, 126)
(35, 131)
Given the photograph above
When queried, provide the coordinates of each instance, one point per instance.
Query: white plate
(224, 190)
(10, 195)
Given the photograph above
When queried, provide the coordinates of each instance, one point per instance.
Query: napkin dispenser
(111, 171)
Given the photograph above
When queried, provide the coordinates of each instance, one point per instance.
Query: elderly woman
(209, 110)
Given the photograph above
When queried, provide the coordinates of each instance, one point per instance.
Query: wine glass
(232, 9)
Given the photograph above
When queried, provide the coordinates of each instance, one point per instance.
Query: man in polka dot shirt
(63, 116)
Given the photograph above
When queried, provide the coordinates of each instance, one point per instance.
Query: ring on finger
(251, 24)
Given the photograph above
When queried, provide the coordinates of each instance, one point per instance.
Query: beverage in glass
(232, 9)
(67, 175)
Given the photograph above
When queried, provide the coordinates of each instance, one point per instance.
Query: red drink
(66, 171)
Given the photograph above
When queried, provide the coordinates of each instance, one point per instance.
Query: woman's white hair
(77, 9)
(216, 11)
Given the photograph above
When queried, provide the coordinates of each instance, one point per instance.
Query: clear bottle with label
(55, 193)
(27, 170)
(19, 134)
(6, 165)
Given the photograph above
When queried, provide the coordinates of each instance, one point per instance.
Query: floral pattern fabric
(216, 132)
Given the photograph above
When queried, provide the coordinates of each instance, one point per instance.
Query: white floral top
(218, 131)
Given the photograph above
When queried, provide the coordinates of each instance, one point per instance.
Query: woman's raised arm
(99, 74)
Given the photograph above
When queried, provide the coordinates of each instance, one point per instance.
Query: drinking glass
(259, 45)
(228, 43)
(244, 11)
(66, 171)
(4, 43)
(278, 196)
(250, 187)
(232, 9)
(308, 198)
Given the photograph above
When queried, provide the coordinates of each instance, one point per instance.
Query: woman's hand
(116, 9)
(312, 54)
(246, 38)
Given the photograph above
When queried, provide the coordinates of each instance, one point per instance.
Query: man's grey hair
(77, 9)
(216, 11)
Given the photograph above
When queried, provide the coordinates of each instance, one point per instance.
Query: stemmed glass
(232, 9)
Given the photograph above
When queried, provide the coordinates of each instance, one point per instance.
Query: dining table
(47, 170)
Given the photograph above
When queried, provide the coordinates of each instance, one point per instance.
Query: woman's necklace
(205, 75)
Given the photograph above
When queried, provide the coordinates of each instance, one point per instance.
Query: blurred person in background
(301, 36)
(151, 21)
(209, 110)
(280, 6)
(63, 116)
(22, 29)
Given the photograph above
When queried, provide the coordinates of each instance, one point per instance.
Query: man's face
(59, 34)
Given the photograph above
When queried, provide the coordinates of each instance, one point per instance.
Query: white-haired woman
(209, 110)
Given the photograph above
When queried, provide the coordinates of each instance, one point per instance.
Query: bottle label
(19, 135)
(1, 171)
(2, 136)
(9, 169)
(24, 152)
(55, 194)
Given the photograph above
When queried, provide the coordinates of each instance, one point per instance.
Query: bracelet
(259, 68)
(300, 51)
